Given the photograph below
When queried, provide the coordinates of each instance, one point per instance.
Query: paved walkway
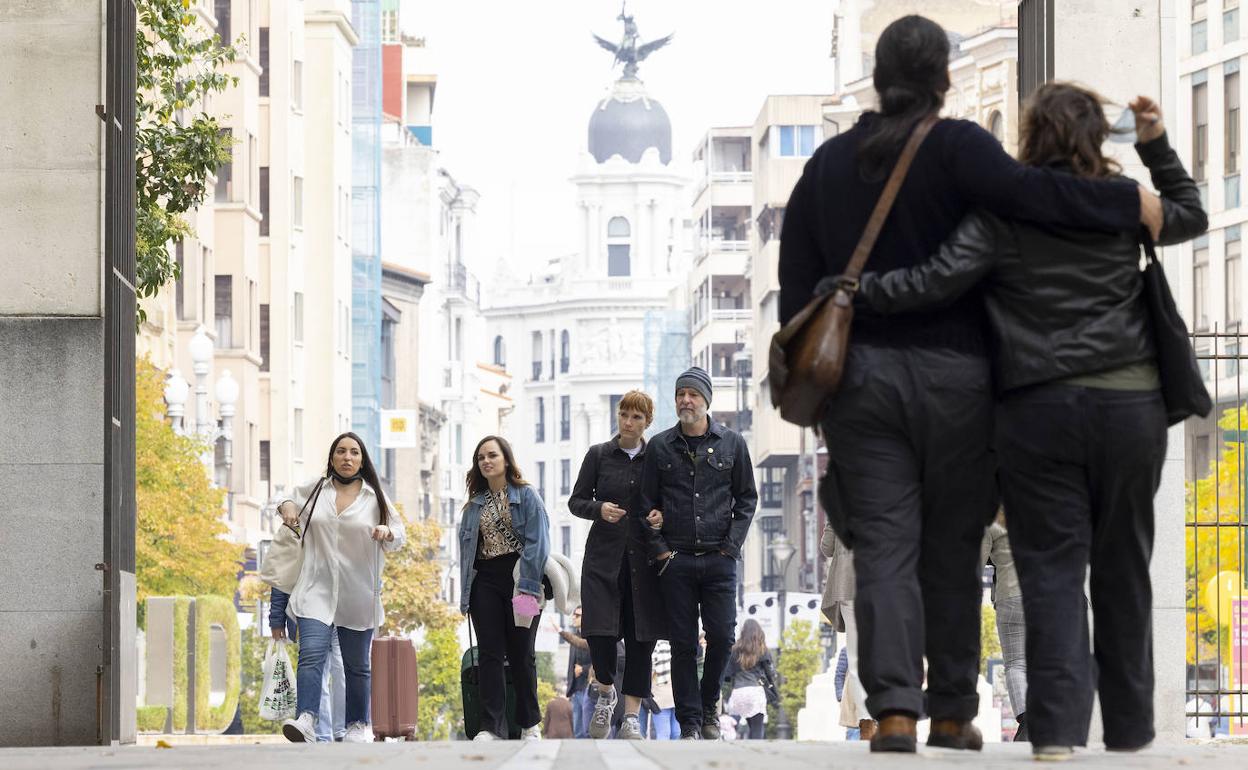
(596, 755)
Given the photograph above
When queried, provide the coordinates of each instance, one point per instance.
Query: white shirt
(340, 581)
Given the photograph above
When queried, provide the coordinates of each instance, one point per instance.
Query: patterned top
(497, 537)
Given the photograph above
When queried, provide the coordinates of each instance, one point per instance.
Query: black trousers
(704, 586)
(1079, 469)
(637, 654)
(499, 636)
(909, 454)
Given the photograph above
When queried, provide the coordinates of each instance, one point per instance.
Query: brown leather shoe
(896, 733)
(866, 729)
(955, 734)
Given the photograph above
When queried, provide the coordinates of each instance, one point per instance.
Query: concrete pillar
(65, 562)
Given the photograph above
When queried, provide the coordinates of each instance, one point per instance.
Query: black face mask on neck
(345, 479)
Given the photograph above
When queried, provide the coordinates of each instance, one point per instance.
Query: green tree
(989, 642)
(177, 144)
(800, 654)
(413, 574)
(180, 545)
(441, 707)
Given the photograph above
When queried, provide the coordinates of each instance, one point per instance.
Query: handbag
(1182, 385)
(807, 356)
(284, 559)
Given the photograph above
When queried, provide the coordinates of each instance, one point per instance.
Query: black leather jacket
(1061, 302)
(707, 499)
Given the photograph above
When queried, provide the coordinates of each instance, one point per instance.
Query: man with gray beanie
(699, 478)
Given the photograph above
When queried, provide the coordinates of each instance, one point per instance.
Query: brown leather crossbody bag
(807, 355)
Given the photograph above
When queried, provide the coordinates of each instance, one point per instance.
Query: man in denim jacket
(698, 475)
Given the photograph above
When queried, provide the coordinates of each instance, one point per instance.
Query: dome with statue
(628, 122)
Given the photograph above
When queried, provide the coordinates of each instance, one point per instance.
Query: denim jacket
(528, 517)
(707, 500)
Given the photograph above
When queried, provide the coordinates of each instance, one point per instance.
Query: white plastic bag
(277, 697)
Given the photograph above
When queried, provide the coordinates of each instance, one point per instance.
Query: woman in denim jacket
(504, 523)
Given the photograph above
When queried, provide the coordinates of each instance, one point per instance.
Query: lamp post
(782, 551)
(225, 390)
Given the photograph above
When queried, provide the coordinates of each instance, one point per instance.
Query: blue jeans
(581, 709)
(663, 725)
(331, 722)
(314, 650)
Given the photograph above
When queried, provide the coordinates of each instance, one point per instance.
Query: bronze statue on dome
(628, 51)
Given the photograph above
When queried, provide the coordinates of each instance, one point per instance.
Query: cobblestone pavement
(596, 755)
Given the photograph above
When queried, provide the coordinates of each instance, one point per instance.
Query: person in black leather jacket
(1080, 425)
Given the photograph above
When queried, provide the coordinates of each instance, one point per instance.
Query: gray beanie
(696, 377)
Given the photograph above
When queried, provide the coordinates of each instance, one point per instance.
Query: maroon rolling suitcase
(396, 688)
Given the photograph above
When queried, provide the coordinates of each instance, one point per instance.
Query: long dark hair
(1065, 124)
(475, 481)
(367, 472)
(911, 77)
(751, 646)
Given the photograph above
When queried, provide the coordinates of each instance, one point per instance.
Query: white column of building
(593, 240)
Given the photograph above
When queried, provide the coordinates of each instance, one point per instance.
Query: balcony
(463, 282)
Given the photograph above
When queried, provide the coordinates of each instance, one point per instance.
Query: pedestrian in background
(849, 709)
(1007, 600)
(663, 724)
(909, 430)
(619, 589)
(751, 672)
(504, 523)
(1080, 424)
(838, 608)
(331, 722)
(700, 481)
(579, 663)
(347, 524)
(558, 722)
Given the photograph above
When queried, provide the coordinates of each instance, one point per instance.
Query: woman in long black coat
(619, 590)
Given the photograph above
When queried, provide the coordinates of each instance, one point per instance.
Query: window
(459, 440)
(1200, 128)
(205, 259)
(390, 26)
(565, 418)
(266, 463)
(264, 337)
(1200, 283)
(457, 341)
(253, 171)
(612, 416)
(565, 477)
(539, 433)
(296, 85)
(1200, 37)
(223, 312)
(996, 126)
(296, 318)
(796, 141)
(1230, 96)
(264, 201)
(552, 354)
(537, 355)
(619, 248)
(565, 537)
(1230, 26)
(225, 172)
(264, 61)
(1234, 251)
(565, 351)
(296, 432)
(296, 202)
(180, 287)
(500, 352)
(541, 480)
(221, 9)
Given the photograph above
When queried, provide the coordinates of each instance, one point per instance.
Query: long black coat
(608, 476)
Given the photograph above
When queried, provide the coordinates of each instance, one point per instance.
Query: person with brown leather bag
(904, 403)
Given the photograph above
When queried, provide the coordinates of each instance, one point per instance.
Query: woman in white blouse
(347, 524)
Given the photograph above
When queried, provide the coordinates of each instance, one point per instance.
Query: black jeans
(499, 636)
(637, 655)
(705, 585)
(909, 450)
(1079, 469)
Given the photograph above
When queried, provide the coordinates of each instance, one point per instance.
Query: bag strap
(310, 507)
(885, 204)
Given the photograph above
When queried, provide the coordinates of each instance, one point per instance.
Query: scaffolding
(667, 354)
(366, 364)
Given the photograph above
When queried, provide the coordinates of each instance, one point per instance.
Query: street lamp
(226, 391)
(782, 551)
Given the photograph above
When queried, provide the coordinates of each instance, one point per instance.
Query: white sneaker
(630, 729)
(302, 729)
(533, 733)
(485, 735)
(358, 732)
(604, 710)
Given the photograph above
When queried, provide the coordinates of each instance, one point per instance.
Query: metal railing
(1216, 567)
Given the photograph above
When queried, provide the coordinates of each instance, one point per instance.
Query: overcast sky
(518, 81)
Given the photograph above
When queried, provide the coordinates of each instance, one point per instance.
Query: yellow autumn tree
(1216, 498)
(180, 545)
(413, 581)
